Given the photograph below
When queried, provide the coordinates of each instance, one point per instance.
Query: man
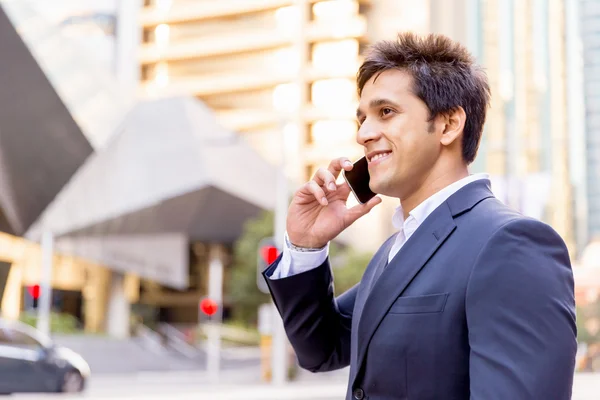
(469, 299)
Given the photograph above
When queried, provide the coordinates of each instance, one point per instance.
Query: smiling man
(469, 299)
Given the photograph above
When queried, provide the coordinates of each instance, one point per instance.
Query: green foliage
(242, 291)
(348, 268)
(59, 322)
(586, 313)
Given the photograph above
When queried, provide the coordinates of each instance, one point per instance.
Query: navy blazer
(478, 304)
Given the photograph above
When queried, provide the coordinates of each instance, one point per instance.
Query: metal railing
(150, 339)
(177, 341)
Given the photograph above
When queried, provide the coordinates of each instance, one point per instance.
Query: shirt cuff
(294, 262)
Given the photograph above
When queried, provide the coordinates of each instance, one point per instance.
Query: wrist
(303, 247)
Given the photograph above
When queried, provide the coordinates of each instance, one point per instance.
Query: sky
(60, 9)
(102, 47)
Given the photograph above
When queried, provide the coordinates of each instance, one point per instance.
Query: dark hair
(445, 77)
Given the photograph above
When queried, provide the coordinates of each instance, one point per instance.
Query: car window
(13, 337)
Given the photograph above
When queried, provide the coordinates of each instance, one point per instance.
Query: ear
(454, 126)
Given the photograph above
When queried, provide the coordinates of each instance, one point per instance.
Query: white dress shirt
(295, 262)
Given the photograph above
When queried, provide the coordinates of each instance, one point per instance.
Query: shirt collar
(422, 211)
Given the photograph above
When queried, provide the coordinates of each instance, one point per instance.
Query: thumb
(359, 210)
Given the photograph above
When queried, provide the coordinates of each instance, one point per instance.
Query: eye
(386, 111)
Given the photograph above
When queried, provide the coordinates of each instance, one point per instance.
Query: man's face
(400, 143)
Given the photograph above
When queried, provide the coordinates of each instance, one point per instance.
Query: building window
(311, 169)
(333, 132)
(335, 55)
(334, 11)
(333, 95)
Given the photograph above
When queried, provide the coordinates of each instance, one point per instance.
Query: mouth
(378, 156)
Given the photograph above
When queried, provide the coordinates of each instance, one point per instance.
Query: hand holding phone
(318, 211)
(358, 180)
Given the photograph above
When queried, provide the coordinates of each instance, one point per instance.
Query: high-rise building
(527, 135)
(590, 35)
(274, 66)
(280, 72)
(529, 131)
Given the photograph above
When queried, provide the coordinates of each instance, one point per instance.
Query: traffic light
(267, 254)
(209, 306)
(34, 292)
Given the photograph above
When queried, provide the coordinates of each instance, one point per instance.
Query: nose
(367, 132)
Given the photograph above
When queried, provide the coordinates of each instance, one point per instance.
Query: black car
(31, 363)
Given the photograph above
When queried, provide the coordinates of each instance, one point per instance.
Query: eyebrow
(376, 103)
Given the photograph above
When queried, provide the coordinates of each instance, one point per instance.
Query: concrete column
(10, 305)
(95, 298)
(215, 292)
(4, 271)
(128, 38)
(119, 310)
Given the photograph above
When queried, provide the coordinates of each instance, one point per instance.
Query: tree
(588, 318)
(348, 267)
(242, 292)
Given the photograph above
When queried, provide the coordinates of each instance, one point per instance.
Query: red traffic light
(34, 291)
(269, 254)
(209, 306)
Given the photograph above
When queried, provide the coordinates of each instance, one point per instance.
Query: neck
(431, 185)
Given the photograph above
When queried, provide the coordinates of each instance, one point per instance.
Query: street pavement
(243, 384)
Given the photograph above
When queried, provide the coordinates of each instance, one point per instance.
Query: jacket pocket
(431, 303)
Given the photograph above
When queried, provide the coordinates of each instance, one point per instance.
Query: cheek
(414, 152)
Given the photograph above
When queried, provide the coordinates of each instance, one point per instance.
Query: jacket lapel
(413, 256)
(379, 260)
(401, 271)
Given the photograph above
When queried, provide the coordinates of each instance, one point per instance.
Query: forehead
(392, 84)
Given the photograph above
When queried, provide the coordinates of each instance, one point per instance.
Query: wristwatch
(291, 246)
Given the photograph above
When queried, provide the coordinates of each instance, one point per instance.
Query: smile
(379, 156)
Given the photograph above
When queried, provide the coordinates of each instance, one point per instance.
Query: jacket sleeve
(317, 324)
(520, 309)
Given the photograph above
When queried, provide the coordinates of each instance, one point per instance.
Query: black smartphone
(358, 180)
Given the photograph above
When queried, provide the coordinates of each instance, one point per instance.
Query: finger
(315, 189)
(325, 178)
(336, 166)
(359, 210)
(343, 191)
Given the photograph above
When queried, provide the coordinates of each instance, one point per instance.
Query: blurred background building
(590, 35)
(281, 73)
(273, 68)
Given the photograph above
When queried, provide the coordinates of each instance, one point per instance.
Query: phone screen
(358, 180)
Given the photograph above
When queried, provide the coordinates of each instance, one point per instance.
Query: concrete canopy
(48, 115)
(40, 144)
(172, 168)
(170, 175)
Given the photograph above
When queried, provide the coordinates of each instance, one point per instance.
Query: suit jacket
(478, 303)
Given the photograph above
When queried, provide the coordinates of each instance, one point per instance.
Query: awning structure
(52, 102)
(172, 170)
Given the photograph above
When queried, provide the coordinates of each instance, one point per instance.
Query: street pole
(279, 365)
(577, 121)
(279, 343)
(215, 292)
(507, 92)
(45, 299)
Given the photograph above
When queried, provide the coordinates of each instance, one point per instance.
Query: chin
(378, 188)
(387, 188)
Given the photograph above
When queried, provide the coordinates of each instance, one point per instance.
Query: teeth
(378, 156)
